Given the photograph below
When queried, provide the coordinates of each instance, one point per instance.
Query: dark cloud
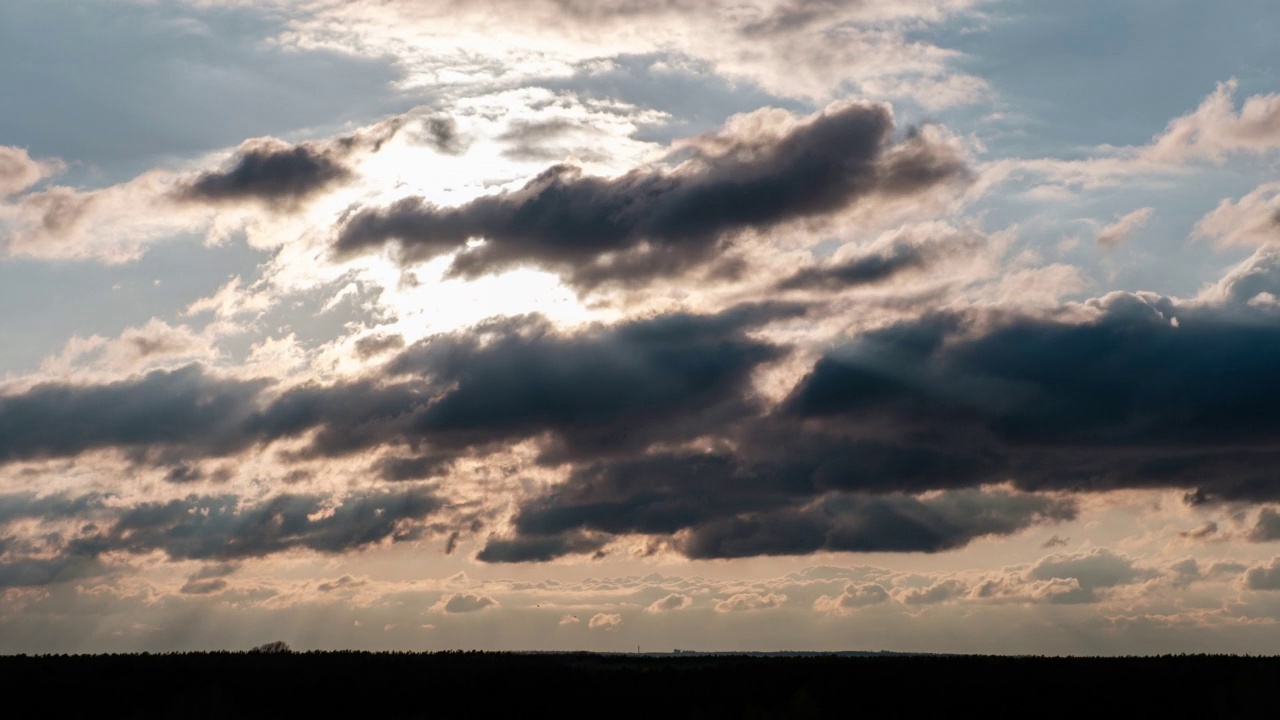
(1127, 391)
(38, 572)
(851, 523)
(224, 528)
(1055, 541)
(539, 548)
(23, 506)
(606, 387)
(269, 171)
(649, 222)
(180, 411)
(591, 391)
(281, 175)
(399, 469)
(722, 514)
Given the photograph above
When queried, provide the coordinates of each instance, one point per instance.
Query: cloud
(1204, 530)
(281, 175)
(1098, 569)
(1251, 221)
(720, 508)
(1215, 129)
(1055, 541)
(464, 603)
(1127, 390)
(40, 572)
(743, 602)
(604, 621)
(790, 49)
(908, 250)
(852, 523)
(372, 345)
(938, 592)
(674, 601)
(19, 172)
(539, 548)
(600, 388)
(115, 224)
(203, 587)
(346, 582)
(648, 222)
(1267, 528)
(1111, 236)
(855, 595)
(1263, 577)
(225, 528)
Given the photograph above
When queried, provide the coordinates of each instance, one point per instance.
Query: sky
(913, 325)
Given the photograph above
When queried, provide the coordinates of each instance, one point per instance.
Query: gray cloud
(911, 252)
(38, 572)
(1267, 529)
(649, 222)
(724, 512)
(281, 175)
(1096, 570)
(593, 391)
(224, 528)
(465, 603)
(182, 411)
(1126, 391)
(539, 548)
(373, 345)
(203, 587)
(1264, 577)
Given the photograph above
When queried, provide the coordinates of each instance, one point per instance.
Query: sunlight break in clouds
(555, 325)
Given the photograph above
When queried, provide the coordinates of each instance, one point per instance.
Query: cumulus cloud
(855, 595)
(674, 601)
(743, 602)
(604, 621)
(1092, 571)
(464, 603)
(651, 222)
(1263, 577)
(1267, 527)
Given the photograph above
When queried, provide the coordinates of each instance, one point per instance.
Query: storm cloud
(650, 222)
